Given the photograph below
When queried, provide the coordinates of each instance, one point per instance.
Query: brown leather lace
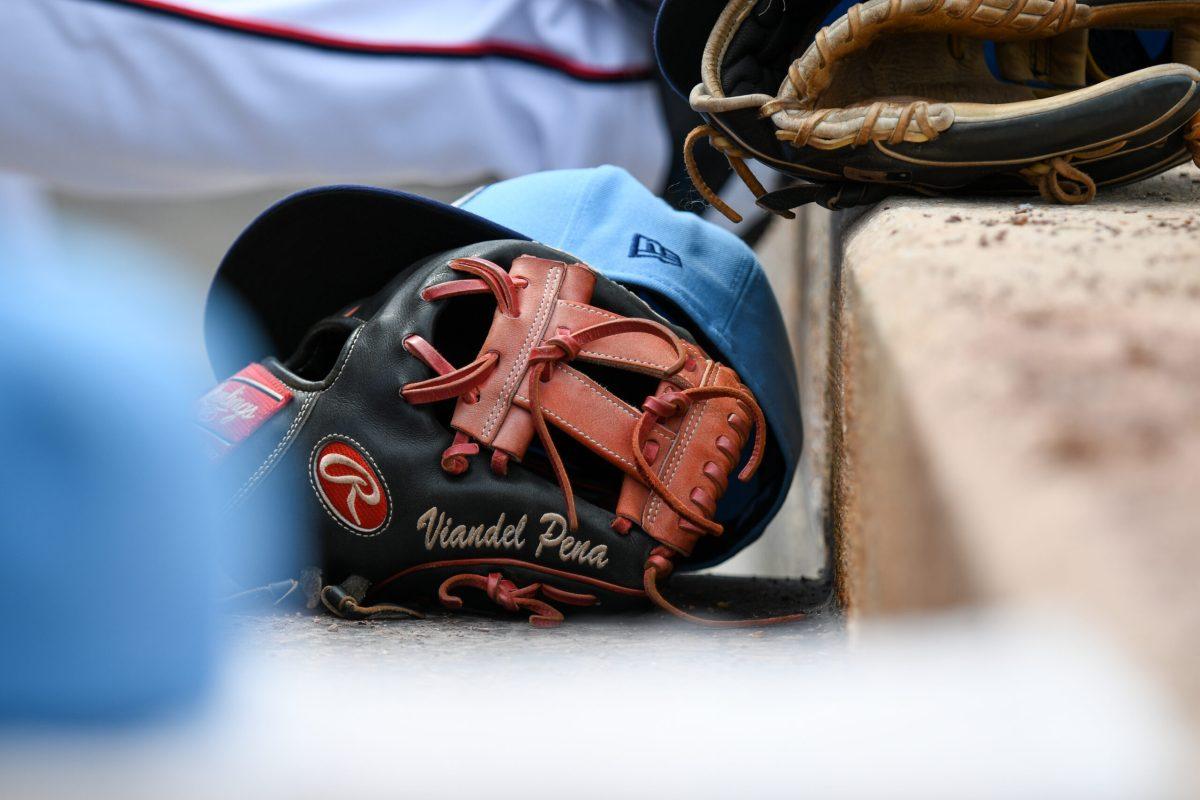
(429, 355)
(659, 565)
(347, 607)
(565, 347)
(737, 160)
(510, 597)
(1064, 183)
(665, 406)
(463, 382)
(495, 277)
(456, 383)
(1058, 180)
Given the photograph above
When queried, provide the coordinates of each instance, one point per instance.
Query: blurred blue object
(108, 543)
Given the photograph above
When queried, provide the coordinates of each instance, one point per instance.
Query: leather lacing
(1058, 180)
(347, 607)
(916, 111)
(661, 407)
(565, 347)
(508, 596)
(737, 161)
(659, 565)
(463, 383)
(346, 601)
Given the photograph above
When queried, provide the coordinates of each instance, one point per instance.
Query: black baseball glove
(499, 424)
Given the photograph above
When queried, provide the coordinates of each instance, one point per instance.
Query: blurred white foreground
(963, 707)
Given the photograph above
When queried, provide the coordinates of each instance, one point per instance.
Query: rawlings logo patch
(349, 485)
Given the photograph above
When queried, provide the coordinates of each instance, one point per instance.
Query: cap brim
(318, 251)
(680, 33)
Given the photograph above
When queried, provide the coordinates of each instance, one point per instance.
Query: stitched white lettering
(441, 532)
(569, 549)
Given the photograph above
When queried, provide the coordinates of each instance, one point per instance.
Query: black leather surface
(314, 252)
(680, 31)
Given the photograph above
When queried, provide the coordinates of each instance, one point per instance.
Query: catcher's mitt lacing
(463, 383)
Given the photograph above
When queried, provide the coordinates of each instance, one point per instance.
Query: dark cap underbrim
(680, 33)
(318, 251)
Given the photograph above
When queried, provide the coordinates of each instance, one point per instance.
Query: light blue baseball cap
(691, 271)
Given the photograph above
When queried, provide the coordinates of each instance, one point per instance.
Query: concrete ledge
(1013, 411)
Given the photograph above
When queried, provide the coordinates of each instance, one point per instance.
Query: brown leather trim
(758, 155)
(458, 288)
(1176, 159)
(512, 562)
(592, 415)
(635, 352)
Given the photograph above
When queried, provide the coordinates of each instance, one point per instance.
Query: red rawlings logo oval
(349, 485)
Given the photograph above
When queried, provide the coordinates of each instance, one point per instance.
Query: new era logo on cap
(645, 247)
